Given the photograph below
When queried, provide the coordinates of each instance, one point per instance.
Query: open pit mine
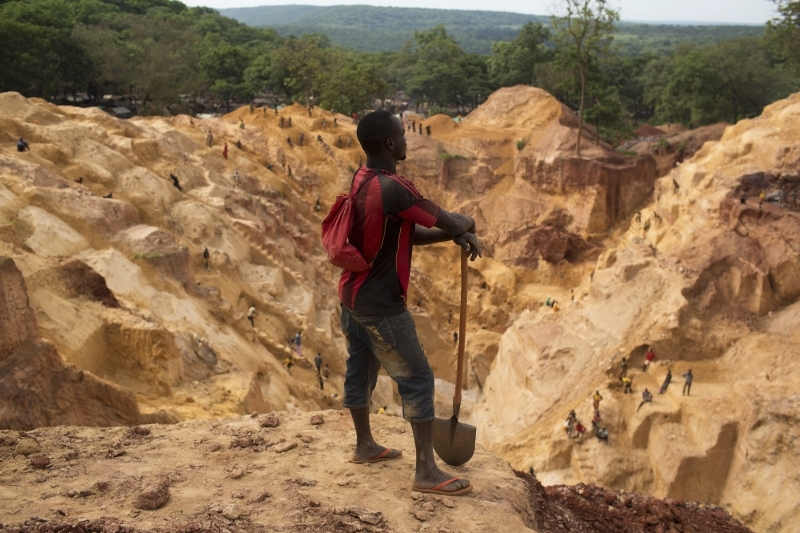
(136, 395)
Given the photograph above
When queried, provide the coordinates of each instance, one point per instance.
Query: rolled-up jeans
(390, 342)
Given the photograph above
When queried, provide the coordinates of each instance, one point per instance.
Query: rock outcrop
(705, 276)
(36, 388)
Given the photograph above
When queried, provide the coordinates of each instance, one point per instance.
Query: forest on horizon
(353, 27)
(162, 57)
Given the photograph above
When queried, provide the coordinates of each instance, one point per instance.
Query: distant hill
(375, 29)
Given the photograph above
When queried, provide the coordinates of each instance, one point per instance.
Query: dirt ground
(240, 474)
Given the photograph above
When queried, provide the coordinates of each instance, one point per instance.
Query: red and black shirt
(386, 212)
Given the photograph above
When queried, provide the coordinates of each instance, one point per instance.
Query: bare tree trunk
(580, 112)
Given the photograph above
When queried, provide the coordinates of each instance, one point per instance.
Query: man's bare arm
(451, 226)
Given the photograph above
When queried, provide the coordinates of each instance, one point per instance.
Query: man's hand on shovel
(469, 243)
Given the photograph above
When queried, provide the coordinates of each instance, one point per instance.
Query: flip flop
(383, 456)
(438, 488)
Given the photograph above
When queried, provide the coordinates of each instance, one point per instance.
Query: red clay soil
(648, 131)
(589, 509)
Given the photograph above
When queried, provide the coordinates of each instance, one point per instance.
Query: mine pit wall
(36, 388)
(17, 320)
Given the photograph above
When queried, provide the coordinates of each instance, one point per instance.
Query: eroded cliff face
(112, 252)
(709, 280)
(36, 387)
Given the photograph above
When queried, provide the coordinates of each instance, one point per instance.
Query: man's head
(381, 132)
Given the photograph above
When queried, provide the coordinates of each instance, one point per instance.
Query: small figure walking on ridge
(667, 381)
(602, 434)
(428, 130)
(580, 429)
(318, 363)
(687, 387)
(241, 124)
(23, 146)
(237, 181)
(596, 398)
(300, 140)
(175, 182)
(225, 151)
(649, 358)
(289, 141)
(251, 315)
(205, 259)
(626, 384)
(647, 396)
(209, 139)
(760, 199)
(624, 366)
(297, 344)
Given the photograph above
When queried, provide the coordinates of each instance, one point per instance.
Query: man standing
(667, 381)
(647, 396)
(297, 345)
(251, 315)
(651, 355)
(687, 387)
(318, 363)
(205, 259)
(596, 401)
(390, 217)
(626, 385)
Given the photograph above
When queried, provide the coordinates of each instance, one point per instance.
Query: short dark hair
(374, 129)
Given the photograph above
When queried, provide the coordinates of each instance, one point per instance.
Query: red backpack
(336, 231)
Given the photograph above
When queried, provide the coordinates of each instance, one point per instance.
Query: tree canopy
(163, 57)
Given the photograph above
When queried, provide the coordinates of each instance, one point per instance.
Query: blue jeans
(391, 342)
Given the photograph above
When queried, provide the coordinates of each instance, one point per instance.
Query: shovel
(454, 441)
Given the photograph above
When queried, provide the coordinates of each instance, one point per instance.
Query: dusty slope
(712, 286)
(178, 336)
(243, 474)
(229, 473)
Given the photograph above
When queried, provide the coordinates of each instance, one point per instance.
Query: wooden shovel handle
(462, 335)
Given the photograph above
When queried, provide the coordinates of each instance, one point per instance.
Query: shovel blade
(453, 441)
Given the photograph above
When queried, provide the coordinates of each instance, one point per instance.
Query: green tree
(52, 61)
(349, 83)
(783, 33)
(585, 29)
(515, 62)
(222, 66)
(301, 61)
(436, 75)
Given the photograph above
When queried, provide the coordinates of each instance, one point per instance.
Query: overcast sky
(725, 11)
